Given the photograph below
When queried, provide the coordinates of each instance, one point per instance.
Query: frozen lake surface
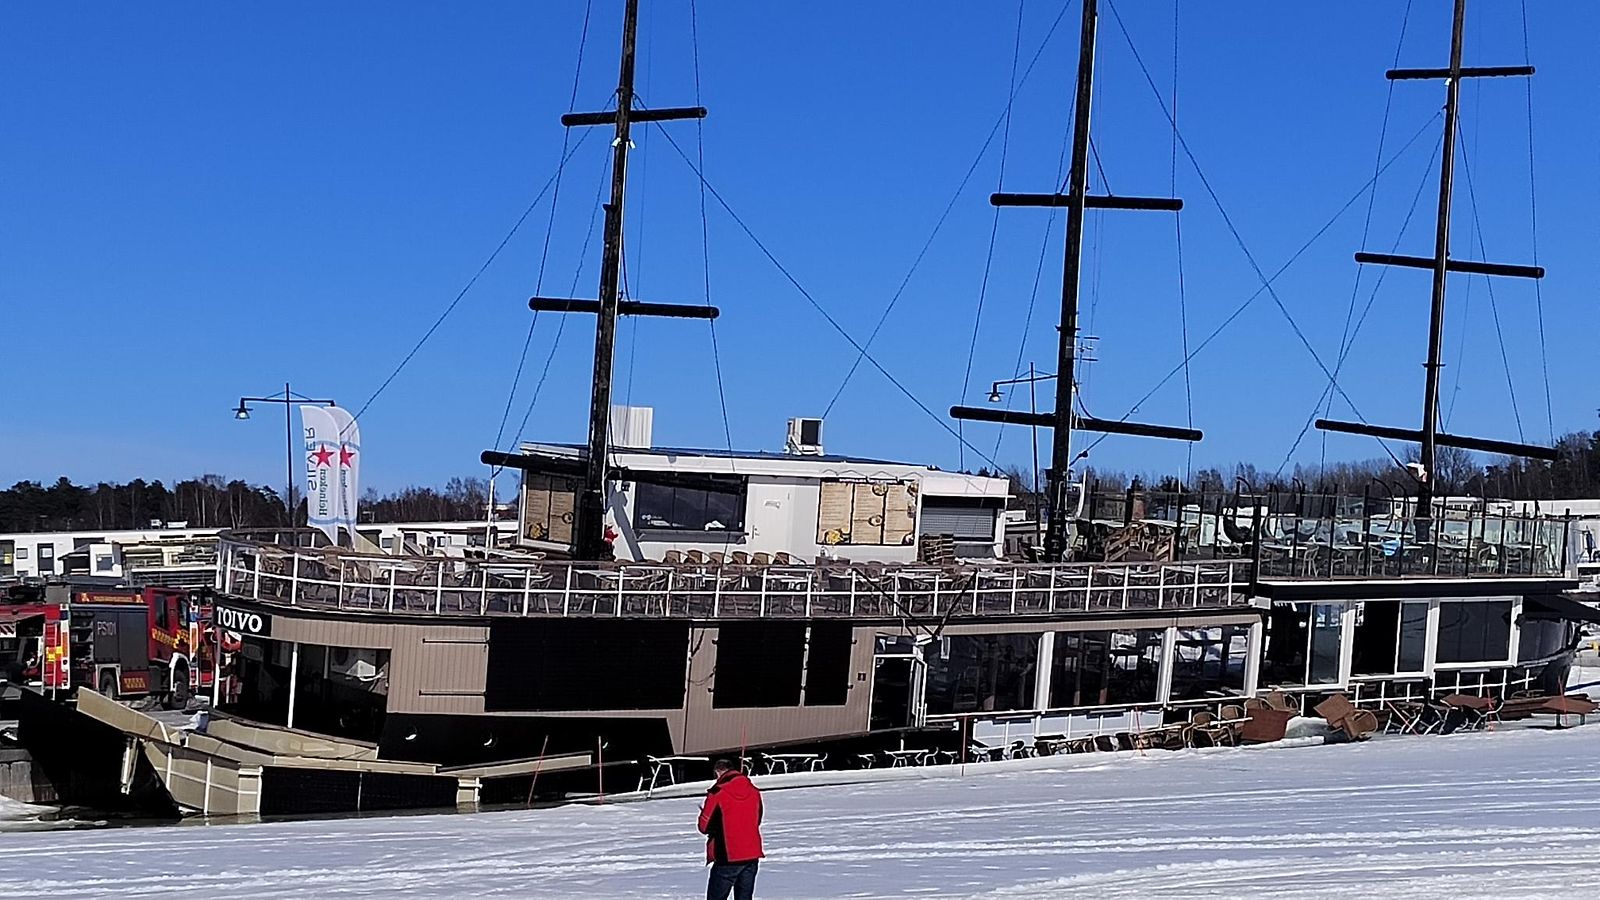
(1513, 814)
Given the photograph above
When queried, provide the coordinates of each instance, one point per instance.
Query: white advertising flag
(322, 469)
(349, 461)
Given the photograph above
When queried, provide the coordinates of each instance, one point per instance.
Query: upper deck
(277, 569)
(1298, 535)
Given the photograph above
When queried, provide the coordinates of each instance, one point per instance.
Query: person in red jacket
(731, 821)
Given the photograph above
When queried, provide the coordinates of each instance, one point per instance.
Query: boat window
(576, 664)
(1390, 637)
(1101, 668)
(1541, 639)
(982, 672)
(866, 513)
(1209, 661)
(674, 508)
(1284, 661)
(968, 521)
(1326, 640)
(828, 653)
(1474, 631)
(759, 664)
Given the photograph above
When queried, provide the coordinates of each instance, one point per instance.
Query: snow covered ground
(1513, 814)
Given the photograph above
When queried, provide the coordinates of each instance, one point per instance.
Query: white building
(809, 506)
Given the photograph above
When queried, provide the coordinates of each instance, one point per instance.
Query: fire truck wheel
(108, 684)
(178, 696)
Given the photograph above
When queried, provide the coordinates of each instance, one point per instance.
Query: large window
(759, 664)
(1390, 637)
(714, 504)
(1209, 661)
(1540, 639)
(1100, 668)
(982, 673)
(1474, 632)
(859, 512)
(969, 521)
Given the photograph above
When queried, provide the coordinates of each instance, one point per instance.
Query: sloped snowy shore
(1513, 814)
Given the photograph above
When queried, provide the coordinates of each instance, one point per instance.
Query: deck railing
(329, 578)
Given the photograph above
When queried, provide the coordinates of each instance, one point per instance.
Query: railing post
(392, 570)
(1088, 591)
(1014, 571)
(255, 590)
(852, 591)
(811, 589)
(527, 588)
(936, 576)
(666, 601)
(1127, 582)
(1161, 586)
(483, 591)
(1050, 589)
(294, 579)
(622, 576)
(438, 590)
(716, 595)
(338, 598)
(763, 607)
(566, 593)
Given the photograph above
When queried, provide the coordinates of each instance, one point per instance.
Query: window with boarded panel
(577, 664)
(549, 504)
(860, 512)
(759, 664)
(828, 664)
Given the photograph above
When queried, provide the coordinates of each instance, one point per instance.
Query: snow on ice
(1501, 815)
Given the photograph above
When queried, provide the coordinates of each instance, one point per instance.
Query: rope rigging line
(1349, 341)
(1293, 258)
(994, 231)
(641, 153)
(549, 229)
(809, 298)
(517, 226)
(1494, 306)
(1533, 207)
(1177, 227)
(1466, 297)
(1366, 230)
(939, 225)
(1038, 271)
(1227, 220)
(705, 228)
(561, 321)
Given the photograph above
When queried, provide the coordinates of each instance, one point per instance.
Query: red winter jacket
(731, 820)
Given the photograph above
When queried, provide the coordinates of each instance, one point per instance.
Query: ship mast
(589, 528)
(1442, 265)
(1077, 199)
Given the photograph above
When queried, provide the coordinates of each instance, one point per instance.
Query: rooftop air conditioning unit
(805, 437)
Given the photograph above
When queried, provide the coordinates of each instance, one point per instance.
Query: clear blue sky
(192, 195)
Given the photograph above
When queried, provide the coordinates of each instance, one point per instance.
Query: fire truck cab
(126, 642)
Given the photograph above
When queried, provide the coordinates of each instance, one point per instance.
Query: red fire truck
(125, 642)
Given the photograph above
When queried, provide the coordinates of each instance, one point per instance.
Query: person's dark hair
(722, 765)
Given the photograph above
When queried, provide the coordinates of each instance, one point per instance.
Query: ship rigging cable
(1266, 283)
(939, 225)
(449, 308)
(1348, 342)
(1177, 225)
(1366, 232)
(549, 228)
(994, 229)
(705, 228)
(809, 298)
(1293, 258)
(1533, 209)
(1494, 306)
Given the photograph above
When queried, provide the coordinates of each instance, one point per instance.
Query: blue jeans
(740, 878)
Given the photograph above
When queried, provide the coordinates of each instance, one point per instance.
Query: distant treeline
(212, 501)
(1576, 474)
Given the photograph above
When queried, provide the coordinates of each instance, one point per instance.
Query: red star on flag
(347, 457)
(323, 456)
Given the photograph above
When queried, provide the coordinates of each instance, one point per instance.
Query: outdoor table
(788, 762)
(664, 764)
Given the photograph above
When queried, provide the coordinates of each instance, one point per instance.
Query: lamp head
(994, 395)
(243, 412)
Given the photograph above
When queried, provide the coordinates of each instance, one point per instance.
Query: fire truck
(127, 642)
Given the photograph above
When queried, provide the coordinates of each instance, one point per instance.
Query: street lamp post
(288, 400)
(1031, 380)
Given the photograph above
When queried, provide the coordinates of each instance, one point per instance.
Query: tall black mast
(588, 540)
(1442, 265)
(1076, 200)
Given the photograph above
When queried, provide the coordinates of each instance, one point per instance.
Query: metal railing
(329, 578)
